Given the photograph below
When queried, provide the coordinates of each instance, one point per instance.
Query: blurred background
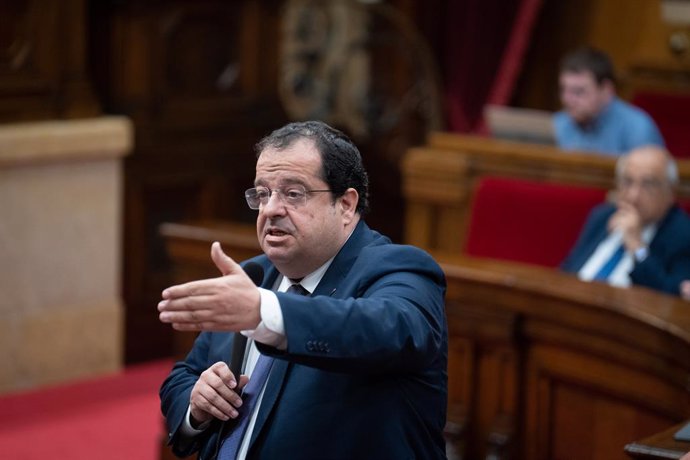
(122, 115)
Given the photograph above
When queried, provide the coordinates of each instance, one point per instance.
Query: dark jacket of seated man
(643, 238)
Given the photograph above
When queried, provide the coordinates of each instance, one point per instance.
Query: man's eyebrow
(292, 180)
(283, 181)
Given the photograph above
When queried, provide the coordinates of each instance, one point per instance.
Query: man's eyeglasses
(294, 195)
(647, 185)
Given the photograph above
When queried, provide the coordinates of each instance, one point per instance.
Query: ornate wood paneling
(575, 396)
(199, 80)
(640, 45)
(37, 79)
(558, 368)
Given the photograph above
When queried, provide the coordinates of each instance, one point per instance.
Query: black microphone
(239, 341)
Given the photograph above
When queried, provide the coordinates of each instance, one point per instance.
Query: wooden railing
(544, 366)
(439, 177)
(659, 446)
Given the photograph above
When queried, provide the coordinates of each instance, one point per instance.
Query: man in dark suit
(643, 238)
(358, 362)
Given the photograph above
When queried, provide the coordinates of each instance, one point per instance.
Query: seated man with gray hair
(641, 237)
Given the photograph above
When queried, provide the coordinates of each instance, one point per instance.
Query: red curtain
(487, 40)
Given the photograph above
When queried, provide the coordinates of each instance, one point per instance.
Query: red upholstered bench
(671, 112)
(527, 221)
(685, 204)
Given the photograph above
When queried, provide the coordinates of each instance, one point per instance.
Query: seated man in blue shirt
(593, 117)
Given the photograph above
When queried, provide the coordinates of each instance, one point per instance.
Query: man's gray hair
(671, 166)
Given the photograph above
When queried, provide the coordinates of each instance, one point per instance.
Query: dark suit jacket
(365, 371)
(668, 262)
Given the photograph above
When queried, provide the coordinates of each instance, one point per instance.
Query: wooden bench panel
(439, 179)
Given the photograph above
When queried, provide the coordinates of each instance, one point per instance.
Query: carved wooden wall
(633, 32)
(37, 79)
(199, 81)
(543, 367)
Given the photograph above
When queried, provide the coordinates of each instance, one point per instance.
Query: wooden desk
(191, 242)
(439, 177)
(659, 446)
(544, 366)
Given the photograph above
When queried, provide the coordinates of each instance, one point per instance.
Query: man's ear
(348, 204)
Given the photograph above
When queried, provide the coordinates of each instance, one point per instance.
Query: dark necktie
(297, 289)
(250, 394)
(610, 264)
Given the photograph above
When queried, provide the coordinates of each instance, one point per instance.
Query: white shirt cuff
(187, 429)
(271, 329)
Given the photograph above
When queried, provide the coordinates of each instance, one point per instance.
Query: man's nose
(275, 204)
(633, 192)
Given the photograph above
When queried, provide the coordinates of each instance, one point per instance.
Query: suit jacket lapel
(276, 378)
(344, 260)
(600, 235)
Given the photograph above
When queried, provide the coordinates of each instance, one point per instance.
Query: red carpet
(112, 417)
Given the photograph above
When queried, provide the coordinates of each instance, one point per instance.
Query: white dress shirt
(270, 331)
(620, 276)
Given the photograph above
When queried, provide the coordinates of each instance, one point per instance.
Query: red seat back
(527, 221)
(671, 112)
(685, 204)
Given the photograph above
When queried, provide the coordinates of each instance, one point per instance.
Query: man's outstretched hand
(228, 303)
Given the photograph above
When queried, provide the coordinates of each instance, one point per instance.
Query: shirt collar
(606, 112)
(312, 280)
